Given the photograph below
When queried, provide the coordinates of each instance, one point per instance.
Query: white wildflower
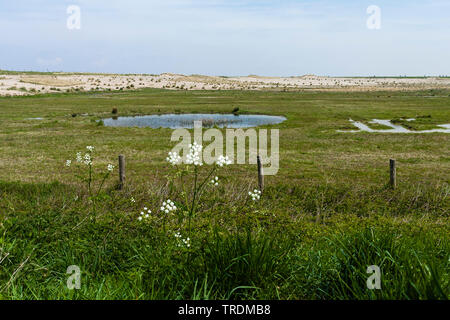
(255, 195)
(173, 158)
(144, 214)
(215, 181)
(223, 161)
(87, 159)
(68, 163)
(79, 158)
(194, 156)
(168, 206)
(187, 242)
(110, 167)
(182, 242)
(90, 148)
(132, 200)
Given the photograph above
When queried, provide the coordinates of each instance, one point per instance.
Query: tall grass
(410, 269)
(240, 254)
(244, 264)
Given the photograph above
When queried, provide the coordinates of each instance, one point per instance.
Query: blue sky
(227, 37)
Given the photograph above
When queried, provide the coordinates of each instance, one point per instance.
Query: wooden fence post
(260, 174)
(393, 174)
(121, 171)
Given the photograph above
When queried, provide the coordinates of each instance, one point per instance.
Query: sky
(228, 37)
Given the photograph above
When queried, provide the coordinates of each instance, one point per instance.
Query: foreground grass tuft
(43, 231)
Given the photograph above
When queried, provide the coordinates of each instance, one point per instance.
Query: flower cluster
(168, 206)
(182, 242)
(194, 155)
(256, 194)
(215, 181)
(144, 214)
(86, 159)
(223, 161)
(173, 158)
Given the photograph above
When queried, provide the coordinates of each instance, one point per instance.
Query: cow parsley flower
(173, 158)
(182, 242)
(215, 181)
(168, 206)
(145, 214)
(68, 163)
(187, 242)
(87, 159)
(255, 195)
(90, 148)
(79, 158)
(223, 161)
(194, 155)
(110, 167)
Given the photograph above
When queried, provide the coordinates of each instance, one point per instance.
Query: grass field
(323, 219)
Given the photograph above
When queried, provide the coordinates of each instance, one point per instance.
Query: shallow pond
(175, 121)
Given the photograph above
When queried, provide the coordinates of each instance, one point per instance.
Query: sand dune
(27, 84)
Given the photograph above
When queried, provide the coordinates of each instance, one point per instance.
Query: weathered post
(121, 171)
(393, 174)
(260, 174)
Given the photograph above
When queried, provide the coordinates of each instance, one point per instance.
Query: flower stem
(192, 209)
(90, 179)
(103, 181)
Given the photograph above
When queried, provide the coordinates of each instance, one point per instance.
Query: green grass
(323, 219)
